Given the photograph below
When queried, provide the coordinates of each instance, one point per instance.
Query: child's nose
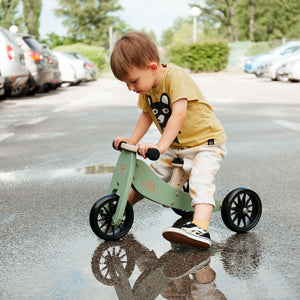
(130, 87)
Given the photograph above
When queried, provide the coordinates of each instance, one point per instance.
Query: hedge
(208, 57)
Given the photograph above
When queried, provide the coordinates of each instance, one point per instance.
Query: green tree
(31, 13)
(8, 12)
(254, 20)
(53, 40)
(88, 20)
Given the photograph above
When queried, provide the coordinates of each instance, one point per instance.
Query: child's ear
(153, 67)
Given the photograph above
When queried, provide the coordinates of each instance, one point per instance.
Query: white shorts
(201, 163)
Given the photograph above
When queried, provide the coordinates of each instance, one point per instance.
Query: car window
(33, 44)
(292, 49)
(9, 37)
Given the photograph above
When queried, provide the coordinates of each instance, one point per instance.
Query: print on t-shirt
(162, 111)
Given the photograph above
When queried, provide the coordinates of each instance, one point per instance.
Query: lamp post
(195, 13)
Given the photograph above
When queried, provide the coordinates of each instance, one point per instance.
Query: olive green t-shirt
(200, 125)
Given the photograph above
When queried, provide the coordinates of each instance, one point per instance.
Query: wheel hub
(245, 210)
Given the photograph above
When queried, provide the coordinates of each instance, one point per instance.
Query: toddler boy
(189, 128)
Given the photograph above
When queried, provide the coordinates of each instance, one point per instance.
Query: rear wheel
(241, 210)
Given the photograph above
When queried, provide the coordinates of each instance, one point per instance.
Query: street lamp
(195, 13)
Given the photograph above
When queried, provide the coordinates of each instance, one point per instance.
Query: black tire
(101, 218)
(20, 91)
(107, 257)
(241, 210)
(33, 91)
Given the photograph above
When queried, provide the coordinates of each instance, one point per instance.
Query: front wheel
(241, 210)
(101, 218)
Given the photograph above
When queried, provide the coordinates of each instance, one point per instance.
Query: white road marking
(6, 136)
(288, 124)
(36, 120)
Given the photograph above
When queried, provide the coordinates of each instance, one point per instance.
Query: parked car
(294, 73)
(2, 90)
(12, 64)
(269, 69)
(53, 61)
(289, 71)
(252, 63)
(91, 73)
(72, 70)
(36, 62)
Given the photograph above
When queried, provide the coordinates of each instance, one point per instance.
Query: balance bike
(111, 217)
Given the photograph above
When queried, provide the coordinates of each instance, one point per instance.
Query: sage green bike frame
(132, 172)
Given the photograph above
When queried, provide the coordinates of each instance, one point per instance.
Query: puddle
(29, 175)
(99, 169)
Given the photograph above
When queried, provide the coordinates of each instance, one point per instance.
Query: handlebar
(152, 153)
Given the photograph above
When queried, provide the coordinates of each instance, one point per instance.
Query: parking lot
(57, 160)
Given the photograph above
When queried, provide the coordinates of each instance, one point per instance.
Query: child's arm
(172, 128)
(142, 126)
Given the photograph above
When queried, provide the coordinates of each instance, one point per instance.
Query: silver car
(12, 64)
(36, 62)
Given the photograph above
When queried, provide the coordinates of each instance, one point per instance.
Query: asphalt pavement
(57, 160)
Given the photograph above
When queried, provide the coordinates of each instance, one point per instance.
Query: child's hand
(120, 139)
(143, 148)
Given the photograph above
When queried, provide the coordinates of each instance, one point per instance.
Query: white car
(289, 71)
(72, 70)
(269, 68)
(90, 69)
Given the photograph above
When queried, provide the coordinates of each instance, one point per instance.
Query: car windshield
(292, 49)
(33, 44)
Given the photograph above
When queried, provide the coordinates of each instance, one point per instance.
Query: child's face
(141, 80)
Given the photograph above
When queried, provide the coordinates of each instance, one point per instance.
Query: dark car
(36, 61)
(12, 63)
(53, 61)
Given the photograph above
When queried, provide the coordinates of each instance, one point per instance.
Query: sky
(156, 15)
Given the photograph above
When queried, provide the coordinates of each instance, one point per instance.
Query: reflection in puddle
(181, 272)
(99, 169)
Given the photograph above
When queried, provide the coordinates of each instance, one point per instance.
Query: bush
(208, 57)
(96, 54)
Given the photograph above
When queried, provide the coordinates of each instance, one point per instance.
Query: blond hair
(133, 49)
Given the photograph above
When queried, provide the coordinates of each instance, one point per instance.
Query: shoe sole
(193, 270)
(178, 236)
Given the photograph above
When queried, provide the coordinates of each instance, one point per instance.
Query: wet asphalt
(57, 160)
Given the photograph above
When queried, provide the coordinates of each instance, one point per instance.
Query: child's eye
(134, 81)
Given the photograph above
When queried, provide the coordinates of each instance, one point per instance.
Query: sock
(203, 224)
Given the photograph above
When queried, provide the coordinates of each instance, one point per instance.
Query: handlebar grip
(153, 154)
(119, 147)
